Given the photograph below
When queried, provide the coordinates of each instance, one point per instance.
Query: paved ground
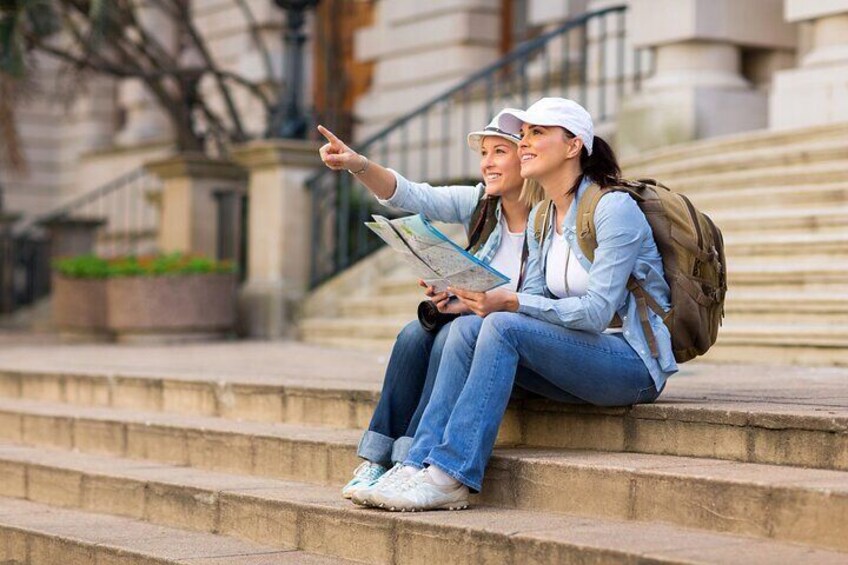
(773, 388)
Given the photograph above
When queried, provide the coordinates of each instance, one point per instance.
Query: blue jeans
(484, 357)
(406, 391)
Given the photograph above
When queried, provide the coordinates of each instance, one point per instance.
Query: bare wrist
(361, 169)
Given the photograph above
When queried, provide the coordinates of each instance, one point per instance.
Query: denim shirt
(625, 245)
(449, 204)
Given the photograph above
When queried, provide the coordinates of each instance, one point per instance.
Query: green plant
(173, 264)
(83, 267)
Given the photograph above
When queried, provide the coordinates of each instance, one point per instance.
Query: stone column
(698, 89)
(279, 234)
(816, 92)
(188, 223)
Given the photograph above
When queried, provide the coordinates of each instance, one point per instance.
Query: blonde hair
(531, 193)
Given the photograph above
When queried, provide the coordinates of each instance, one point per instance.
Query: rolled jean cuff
(400, 450)
(376, 448)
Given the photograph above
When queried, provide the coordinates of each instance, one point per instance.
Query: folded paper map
(436, 259)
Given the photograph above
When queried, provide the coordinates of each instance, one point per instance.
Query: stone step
(786, 342)
(397, 306)
(779, 221)
(787, 245)
(31, 532)
(517, 477)
(801, 176)
(802, 273)
(787, 307)
(775, 427)
(774, 197)
(720, 147)
(315, 519)
(371, 327)
(756, 159)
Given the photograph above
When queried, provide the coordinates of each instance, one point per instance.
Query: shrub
(83, 267)
(173, 264)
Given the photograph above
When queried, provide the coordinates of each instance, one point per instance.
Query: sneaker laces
(369, 471)
(391, 476)
(414, 481)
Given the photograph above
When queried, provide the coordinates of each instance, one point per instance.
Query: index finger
(467, 294)
(330, 136)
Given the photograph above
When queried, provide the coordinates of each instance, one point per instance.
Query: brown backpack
(692, 251)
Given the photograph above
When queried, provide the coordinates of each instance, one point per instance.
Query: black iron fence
(587, 59)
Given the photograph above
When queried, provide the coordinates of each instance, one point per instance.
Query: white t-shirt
(578, 277)
(507, 258)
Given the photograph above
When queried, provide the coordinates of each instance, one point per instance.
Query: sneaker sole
(449, 507)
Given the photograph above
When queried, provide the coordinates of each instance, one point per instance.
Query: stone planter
(171, 309)
(79, 308)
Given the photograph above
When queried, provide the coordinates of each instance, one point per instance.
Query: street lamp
(288, 119)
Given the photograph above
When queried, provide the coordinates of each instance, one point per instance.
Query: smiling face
(544, 151)
(500, 167)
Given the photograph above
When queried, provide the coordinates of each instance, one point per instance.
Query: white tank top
(556, 272)
(507, 258)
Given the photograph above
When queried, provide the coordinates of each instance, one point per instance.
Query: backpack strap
(540, 222)
(587, 238)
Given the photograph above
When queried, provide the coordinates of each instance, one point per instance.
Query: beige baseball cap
(475, 138)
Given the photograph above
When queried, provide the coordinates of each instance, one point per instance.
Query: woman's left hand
(484, 303)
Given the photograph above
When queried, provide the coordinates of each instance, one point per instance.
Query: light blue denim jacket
(450, 204)
(625, 245)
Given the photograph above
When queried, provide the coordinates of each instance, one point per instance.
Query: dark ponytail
(601, 166)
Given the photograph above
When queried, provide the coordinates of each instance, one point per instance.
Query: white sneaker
(363, 476)
(365, 496)
(419, 492)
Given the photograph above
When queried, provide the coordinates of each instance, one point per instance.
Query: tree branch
(186, 21)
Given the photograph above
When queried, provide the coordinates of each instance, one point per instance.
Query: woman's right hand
(443, 301)
(337, 155)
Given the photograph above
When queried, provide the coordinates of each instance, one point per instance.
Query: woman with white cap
(554, 338)
(499, 208)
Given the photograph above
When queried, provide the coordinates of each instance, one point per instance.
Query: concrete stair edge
(780, 435)
(515, 478)
(34, 532)
(207, 501)
(736, 142)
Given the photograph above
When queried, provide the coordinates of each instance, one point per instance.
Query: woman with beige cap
(499, 207)
(552, 337)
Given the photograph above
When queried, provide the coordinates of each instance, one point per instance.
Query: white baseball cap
(475, 138)
(560, 112)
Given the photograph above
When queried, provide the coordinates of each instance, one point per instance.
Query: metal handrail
(26, 250)
(522, 51)
(66, 209)
(339, 207)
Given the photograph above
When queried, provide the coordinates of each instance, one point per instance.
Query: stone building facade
(717, 67)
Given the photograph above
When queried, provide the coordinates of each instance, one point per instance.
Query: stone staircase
(781, 200)
(235, 454)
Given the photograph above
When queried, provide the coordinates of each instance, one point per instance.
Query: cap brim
(511, 120)
(475, 139)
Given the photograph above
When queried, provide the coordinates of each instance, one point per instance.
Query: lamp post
(288, 119)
